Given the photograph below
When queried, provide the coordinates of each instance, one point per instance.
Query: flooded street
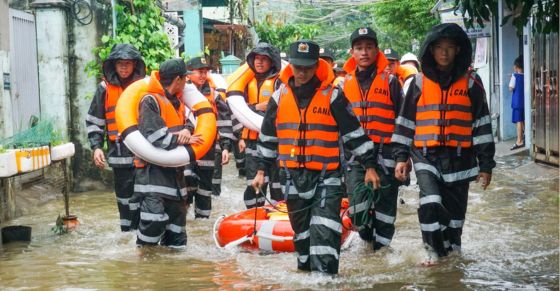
(510, 241)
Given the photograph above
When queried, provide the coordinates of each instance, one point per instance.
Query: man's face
(364, 52)
(124, 68)
(392, 67)
(199, 76)
(262, 64)
(444, 52)
(303, 74)
(178, 84)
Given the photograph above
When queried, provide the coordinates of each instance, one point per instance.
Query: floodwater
(510, 241)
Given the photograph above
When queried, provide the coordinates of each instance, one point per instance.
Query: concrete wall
(52, 52)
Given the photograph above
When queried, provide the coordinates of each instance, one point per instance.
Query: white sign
(480, 55)
(476, 32)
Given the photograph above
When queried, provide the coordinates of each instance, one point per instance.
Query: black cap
(363, 33)
(198, 63)
(391, 54)
(172, 68)
(326, 53)
(304, 53)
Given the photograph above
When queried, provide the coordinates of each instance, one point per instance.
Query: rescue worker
(410, 59)
(444, 124)
(327, 55)
(123, 66)
(375, 96)
(393, 57)
(401, 71)
(161, 190)
(303, 123)
(204, 177)
(264, 61)
(339, 73)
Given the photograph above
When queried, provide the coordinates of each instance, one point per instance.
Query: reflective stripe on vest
(444, 117)
(174, 119)
(255, 95)
(112, 94)
(308, 139)
(375, 111)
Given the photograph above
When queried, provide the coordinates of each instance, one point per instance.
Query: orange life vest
(112, 94)
(257, 95)
(444, 117)
(374, 108)
(174, 118)
(308, 137)
(405, 71)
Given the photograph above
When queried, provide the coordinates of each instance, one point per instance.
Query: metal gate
(24, 71)
(545, 98)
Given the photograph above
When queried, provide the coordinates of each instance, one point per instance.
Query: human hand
(241, 145)
(196, 139)
(258, 181)
(99, 158)
(485, 179)
(261, 106)
(401, 171)
(372, 177)
(183, 136)
(225, 157)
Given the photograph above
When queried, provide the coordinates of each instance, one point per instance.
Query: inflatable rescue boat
(273, 230)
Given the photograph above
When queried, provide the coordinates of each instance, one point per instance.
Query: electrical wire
(82, 12)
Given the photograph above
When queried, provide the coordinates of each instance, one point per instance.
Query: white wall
(52, 52)
(508, 43)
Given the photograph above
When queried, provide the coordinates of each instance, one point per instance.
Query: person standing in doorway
(517, 87)
(123, 66)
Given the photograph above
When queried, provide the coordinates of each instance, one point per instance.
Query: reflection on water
(510, 241)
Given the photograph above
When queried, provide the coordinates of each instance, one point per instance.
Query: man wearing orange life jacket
(160, 190)
(123, 66)
(204, 177)
(264, 60)
(375, 96)
(401, 71)
(444, 125)
(304, 120)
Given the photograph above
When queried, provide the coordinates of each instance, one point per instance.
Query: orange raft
(273, 229)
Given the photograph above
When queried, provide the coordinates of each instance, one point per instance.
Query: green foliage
(2, 149)
(400, 24)
(282, 35)
(545, 13)
(59, 228)
(140, 25)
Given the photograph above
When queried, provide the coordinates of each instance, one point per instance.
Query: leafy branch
(139, 23)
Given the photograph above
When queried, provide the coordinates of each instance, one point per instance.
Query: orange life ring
(237, 82)
(274, 231)
(127, 125)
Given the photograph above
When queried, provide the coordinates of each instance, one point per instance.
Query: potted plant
(8, 165)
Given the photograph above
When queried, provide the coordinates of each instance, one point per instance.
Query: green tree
(141, 25)
(545, 13)
(282, 35)
(402, 24)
